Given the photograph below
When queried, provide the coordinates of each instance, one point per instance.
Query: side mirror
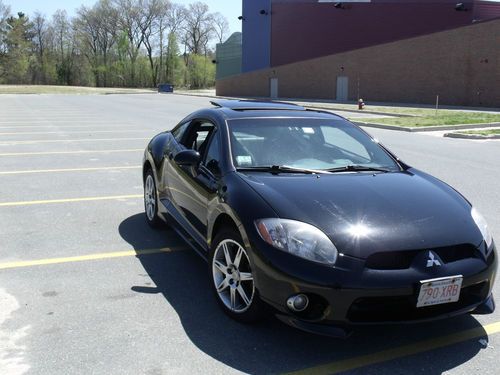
(187, 158)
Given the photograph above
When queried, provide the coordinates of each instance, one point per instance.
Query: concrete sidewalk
(379, 108)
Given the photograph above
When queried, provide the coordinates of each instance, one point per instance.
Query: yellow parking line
(401, 351)
(70, 200)
(69, 152)
(83, 258)
(77, 132)
(8, 143)
(70, 170)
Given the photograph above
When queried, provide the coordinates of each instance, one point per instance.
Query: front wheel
(233, 280)
(151, 201)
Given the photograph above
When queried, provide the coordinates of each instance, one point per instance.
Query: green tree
(201, 71)
(19, 47)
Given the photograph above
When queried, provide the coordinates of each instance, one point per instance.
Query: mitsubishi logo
(432, 261)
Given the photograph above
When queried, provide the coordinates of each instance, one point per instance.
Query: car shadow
(270, 346)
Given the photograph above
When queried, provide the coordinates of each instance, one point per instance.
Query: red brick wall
(302, 31)
(462, 66)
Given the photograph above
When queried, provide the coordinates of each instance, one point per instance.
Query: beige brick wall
(462, 66)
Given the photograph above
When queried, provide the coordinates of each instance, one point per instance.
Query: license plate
(439, 291)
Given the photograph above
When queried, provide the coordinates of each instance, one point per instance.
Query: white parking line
(119, 126)
(77, 132)
(70, 152)
(72, 120)
(12, 143)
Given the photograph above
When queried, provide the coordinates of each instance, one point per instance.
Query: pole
(437, 104)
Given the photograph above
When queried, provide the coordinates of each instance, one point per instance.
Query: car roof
(245, 105)
(239, 109)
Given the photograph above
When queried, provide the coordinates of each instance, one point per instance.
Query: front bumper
(351, 294)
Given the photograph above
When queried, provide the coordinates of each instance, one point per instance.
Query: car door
(190, 186)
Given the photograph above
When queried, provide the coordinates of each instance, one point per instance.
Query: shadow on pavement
(270, 346)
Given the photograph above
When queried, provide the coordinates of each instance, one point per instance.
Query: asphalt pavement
(86, 287)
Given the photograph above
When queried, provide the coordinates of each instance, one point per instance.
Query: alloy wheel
(232, 276)
(150, 197)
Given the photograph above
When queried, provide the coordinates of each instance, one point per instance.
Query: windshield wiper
(358, 168)
(275, 169)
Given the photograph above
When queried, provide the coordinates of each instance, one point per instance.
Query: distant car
(304, 212)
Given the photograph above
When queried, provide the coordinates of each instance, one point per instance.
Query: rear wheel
(232, 278)
(151, 200)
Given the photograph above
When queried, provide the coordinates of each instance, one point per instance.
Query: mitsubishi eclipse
(303, 212)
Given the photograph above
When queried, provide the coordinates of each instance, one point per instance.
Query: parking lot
(86, 287)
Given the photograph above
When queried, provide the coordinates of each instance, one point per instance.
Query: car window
(179, 131)
(310, 143)
(198, 136)
(337, 137)
(212, 158)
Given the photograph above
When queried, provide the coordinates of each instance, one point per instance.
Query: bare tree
(87, 28)
(176, 18)
(107, 20)
(135, 17)
(40, 30)
(63, 45)
(220, 27)
(97, 33)
(198, 28)
(153, 34)
(4, 16)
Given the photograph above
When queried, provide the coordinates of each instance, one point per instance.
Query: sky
(229, 8)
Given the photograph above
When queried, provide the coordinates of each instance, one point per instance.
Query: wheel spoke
(237, 259)
(235, 288)
(226, 254)
(243, 295)
(220, 267)
(222, 286)
(246, 276)
(233, 298)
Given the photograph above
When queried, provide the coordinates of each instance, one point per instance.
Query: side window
(179, 131)
(198, 136)
(212, 158)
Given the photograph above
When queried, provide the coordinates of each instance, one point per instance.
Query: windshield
(304, 143)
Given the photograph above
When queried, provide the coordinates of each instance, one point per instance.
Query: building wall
(256, 35)
(228, 57)
(460, 65)
(304, 30)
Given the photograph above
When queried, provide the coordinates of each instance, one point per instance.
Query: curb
(356, 111)
(471, 136)
(302, 104)
(371, 124)
(428, 128)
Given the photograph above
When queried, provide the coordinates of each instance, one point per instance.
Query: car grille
(398, 309)
(399, 260)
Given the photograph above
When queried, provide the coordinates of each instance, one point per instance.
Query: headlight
(297, 238)
(483, 226)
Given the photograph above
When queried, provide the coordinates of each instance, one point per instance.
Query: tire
(151, 201)
(233, 283)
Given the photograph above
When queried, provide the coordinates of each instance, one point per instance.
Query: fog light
(298, 302)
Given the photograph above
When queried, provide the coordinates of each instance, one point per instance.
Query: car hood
(366, 213)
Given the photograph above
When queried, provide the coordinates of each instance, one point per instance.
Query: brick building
(380, 50)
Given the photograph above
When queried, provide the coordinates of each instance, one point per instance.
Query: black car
(304, 212)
